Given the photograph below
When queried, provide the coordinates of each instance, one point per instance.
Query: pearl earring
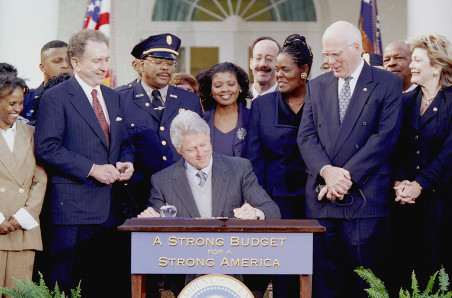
(304, 75)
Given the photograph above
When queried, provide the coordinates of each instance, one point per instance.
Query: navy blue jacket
(362, 144)
(69, 140)
(29, 101)
(154, 150)
(272, 146)
(241, 129)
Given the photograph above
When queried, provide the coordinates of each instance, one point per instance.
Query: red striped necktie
(100, 115)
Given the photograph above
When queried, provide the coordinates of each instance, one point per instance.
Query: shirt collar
(163, 91)
(87, 88)
(192, 170)
(11, 130)
(271, 89)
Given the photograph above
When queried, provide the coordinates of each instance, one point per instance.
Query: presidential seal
(215, 286)
(241, 133)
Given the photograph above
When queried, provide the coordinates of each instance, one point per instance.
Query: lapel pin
(172, 95)
(118, 119)
(181, 110)
(364, 89)
(139, 95)
(146, 104)
(435, 109)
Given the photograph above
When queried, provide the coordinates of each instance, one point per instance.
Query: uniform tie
(344, 98)
(202, 178)
(157, 103)
(100, 115)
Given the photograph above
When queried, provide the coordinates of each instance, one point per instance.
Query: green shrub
(30, 289)
(378, 290)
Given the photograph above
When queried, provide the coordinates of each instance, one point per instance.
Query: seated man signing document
(205, 184)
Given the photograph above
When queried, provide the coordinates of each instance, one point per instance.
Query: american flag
(97, 17)
(369, 25)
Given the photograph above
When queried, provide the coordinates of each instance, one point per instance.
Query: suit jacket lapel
(363, 89)
(330, 108)
(13, 161)
(182, 189)
(171, 104)
(220, 184)
(82, 105)
(141, 99)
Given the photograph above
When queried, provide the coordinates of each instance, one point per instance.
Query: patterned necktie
(100, 115)
(344, 98)
(202, 178)
(157, 103)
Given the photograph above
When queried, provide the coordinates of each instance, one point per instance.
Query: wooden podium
(153, 237)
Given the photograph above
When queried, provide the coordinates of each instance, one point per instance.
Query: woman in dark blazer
(424, 158)
(224, 89)
(272, 140)
(272, 137)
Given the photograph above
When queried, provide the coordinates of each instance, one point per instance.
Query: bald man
(397, 59)
(346, 147)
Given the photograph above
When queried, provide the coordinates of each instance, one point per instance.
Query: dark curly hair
(51, 83)
(296, 45)
(9, 82)
(205, 83)
(6, 67)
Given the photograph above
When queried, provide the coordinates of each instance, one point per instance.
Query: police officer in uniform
(149, 107)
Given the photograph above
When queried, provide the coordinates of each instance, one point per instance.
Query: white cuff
(2, 218)
(26, 221)
(260, 214)
(323, 168)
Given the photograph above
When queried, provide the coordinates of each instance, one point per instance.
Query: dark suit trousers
(345, 245)
(96, 255)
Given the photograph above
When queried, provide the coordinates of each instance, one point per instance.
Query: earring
(304, 75)
(435, 74)
(240, 90)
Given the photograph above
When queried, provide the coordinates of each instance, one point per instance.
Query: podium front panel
(218, 252)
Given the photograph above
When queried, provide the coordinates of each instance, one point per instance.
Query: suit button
(357, 146)
(164, 157)
(416, 137)
(162, 128)
(2, 189)
(21, 190)
(364, 123)
(163, 143)
(319, 125)
(61, 204)
(417, 152)
(133, 124)
(147, 104)
(417, 167)
(433, 190)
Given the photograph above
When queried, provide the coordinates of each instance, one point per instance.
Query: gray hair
(76, 46)
(349, 31)
(187, 123)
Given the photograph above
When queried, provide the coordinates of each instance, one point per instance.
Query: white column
(25, 26)
(431, 16)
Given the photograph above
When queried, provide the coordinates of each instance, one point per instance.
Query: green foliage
(378, 290)
(30, 289)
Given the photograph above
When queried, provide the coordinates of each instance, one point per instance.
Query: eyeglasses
(335, 55)
(160, 62)
(268, 59)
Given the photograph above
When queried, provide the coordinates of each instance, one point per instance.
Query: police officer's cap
(160, 46)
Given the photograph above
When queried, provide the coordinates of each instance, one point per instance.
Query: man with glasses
(149, 108)
(350, 124)
(262, 63)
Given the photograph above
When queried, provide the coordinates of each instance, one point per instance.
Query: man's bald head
(342, 46)
(397, 59)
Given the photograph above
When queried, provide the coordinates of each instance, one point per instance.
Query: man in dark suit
(350, 124)
(149, 108)
(53, 63)
(81, 140)
(205, 184)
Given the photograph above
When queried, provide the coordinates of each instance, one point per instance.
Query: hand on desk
(245, 212)
(149, 212)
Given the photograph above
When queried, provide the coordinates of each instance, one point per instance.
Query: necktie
(344, 98)
(100, 115)
(202, 178)
(157, 103)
